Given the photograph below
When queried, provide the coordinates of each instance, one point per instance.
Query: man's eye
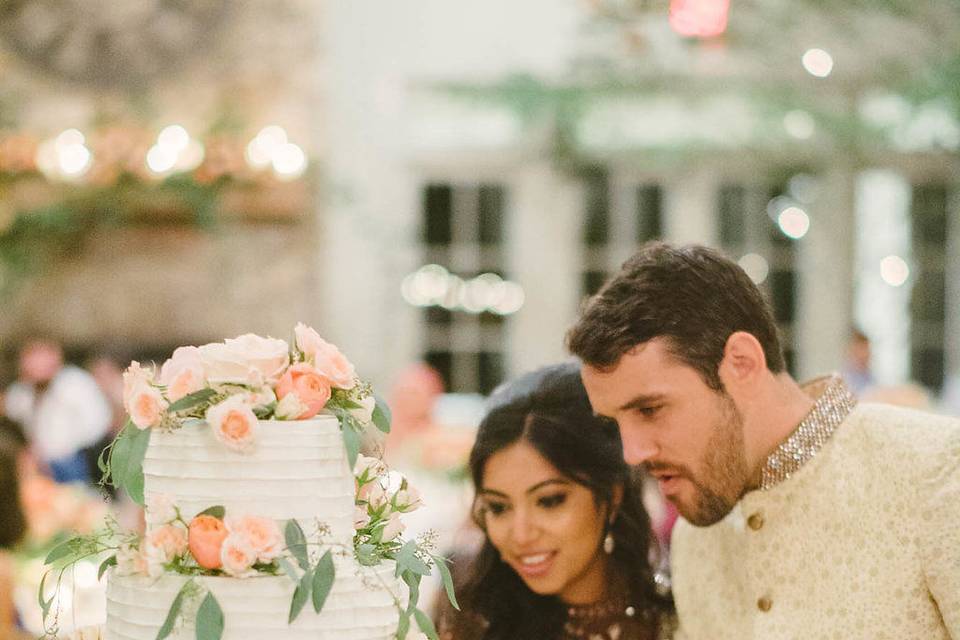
(551, 501)
(649, 412)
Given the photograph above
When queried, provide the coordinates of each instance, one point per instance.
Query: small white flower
(289, 408)
(159, 509)
(364, 414)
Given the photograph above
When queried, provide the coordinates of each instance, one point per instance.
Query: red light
(699, 18)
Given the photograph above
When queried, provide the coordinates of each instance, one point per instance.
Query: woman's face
(545, 526)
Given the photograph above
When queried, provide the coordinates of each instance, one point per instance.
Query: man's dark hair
(691, 295)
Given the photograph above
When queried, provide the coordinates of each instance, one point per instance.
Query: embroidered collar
(834, 404)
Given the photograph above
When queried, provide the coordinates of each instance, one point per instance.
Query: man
(804, 515)
(61, 408)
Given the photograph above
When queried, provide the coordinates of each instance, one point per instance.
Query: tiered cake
(298, 470)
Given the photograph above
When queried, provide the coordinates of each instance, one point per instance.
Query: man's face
(687, 435)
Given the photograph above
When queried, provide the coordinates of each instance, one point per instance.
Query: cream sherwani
(861, 542)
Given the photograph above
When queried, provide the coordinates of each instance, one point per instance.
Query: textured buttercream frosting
(296, 469)
(360, 606)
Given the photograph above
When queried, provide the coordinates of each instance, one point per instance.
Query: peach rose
(133, 379)
(166, 542)
(183, 373)
(262, 535)
(233, 423)
(247, 359)
(325, 357)
(237, 557)
(205, 539)
(310, 386)
(146, 406)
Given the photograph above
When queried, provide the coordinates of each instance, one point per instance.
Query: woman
(567, 546)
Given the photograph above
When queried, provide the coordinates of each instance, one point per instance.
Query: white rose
(183, 373)
(146, 405)
(247, 359)
(369, 467)
(130, 562)
(364, 414)
(234, 423)
(289, 407)
(394, 527)
(160, 509)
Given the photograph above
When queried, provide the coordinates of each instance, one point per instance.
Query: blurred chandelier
(689, 18)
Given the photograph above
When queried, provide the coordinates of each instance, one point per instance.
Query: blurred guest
(567, 545)
(12, 529)
(856, 369)
(412, 399)
(61, 408)
(108, 374)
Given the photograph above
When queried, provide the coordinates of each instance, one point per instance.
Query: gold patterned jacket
(861, 541)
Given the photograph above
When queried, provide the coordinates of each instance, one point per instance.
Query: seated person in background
(567, 541)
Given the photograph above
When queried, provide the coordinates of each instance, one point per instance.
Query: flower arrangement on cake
(255, 420)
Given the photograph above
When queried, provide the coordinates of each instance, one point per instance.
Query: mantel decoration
(55, 191)
(206, 419)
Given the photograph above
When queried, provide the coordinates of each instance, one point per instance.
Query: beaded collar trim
(832, 407)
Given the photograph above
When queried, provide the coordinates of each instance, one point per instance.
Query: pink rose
(183, 373)
(408, 499)
(394, 527)
(261, 535)
(247, 359)
(309, 385)
(133, 379)
(373, 494)
(167, 541)
(237, 557)
(233, 423)
(326, 358)
(205, 539)
(368, 468)
(361, 517)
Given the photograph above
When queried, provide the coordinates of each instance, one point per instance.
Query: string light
(817, 62)
(794, 222)
(756, 267)
(894, 270)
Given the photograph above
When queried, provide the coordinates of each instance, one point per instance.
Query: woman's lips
(534, 565)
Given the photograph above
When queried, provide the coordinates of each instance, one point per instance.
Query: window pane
(490, 372)
(592, 281)
(491, 214)
(649, 212)
(438, 214)
(596, 229)
(731, 208)
(442, 361)
(783, 293)
(927, 367)
(929, 212)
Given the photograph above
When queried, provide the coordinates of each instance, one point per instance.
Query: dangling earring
(608, 543)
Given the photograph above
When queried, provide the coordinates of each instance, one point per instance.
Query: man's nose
(638, 447)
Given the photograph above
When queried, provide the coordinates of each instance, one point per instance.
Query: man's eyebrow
(642, 400)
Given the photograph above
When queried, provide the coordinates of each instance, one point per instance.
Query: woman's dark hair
(691, 295)
(549, 410)
(13, 523)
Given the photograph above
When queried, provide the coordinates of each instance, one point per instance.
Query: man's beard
(723, 473)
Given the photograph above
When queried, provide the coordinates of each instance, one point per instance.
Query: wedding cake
(262, 518)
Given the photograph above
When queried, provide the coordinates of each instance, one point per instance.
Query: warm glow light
(756, 266)
(799, 124)
(70, 138)
(817, 62)
(190, 157)
(512, 301)
(794, 222)
(699, 18)
(432, 285)
(161, 159)
(894, 270)
(174, 137)
(289, 161)
(74, 160)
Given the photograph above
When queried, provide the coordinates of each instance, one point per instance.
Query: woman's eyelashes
(552, 501)
(495, 508)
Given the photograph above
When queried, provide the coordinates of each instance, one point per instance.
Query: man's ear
(743, 360)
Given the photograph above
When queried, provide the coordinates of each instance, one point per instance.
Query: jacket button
(764, 604)
(755, 522)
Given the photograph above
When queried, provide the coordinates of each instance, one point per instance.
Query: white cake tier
(297, 469)
(360, 606)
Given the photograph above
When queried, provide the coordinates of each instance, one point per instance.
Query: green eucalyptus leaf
(44, 604)
(403, 625)
(300, 595)
(425, 624)
(351, 442)
(289, 570)
(217, 511)
(407, 560)
(323, 576)
(367, 555)
(441, 564)
(106, 564)
(167, 627)
(413, 582)
(297, 543)
(64, 549)
(191, 400)
(126, 460)
(381, 415)
(209, 619)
